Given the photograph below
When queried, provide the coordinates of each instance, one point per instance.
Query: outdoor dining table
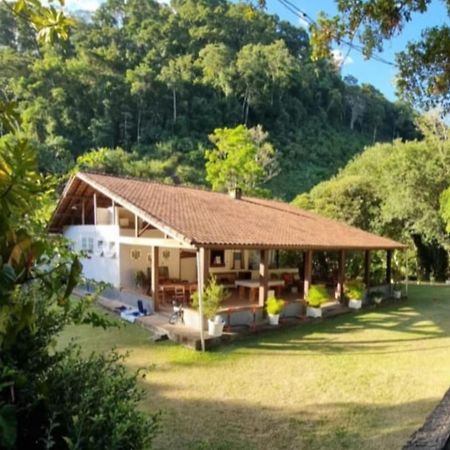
(253, 287)
(170, 288)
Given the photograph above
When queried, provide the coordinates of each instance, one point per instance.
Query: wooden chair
(179, 294)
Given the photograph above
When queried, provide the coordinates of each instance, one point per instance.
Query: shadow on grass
(415, 320)
(203, 424)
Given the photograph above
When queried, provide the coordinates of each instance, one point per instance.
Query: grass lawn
(361, 381)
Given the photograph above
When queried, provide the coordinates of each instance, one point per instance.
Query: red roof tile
(207, 218)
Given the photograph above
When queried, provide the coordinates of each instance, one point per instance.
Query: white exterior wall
(184, 269)
(98, 267)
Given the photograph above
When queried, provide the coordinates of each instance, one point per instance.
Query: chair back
(141, 308)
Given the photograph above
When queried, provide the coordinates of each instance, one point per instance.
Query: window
(87, 244)
(100, 247)
(254, 260)
(237, 261)
(217, 258)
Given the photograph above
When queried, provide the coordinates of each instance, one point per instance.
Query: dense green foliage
(274, 305)
(242, 158)
(354, 289)
(50, 398)
(423, 74)
(317, 295)
(213, 295)
(395, 190)
(157, 80)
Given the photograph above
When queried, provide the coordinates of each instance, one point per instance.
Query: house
(176, 233)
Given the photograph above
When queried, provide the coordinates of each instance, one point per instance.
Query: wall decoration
(111, 250)
(166, 254)
(99, 250)
(135, 254)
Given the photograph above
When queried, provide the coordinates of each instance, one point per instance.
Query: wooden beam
(83, 211)
(263, 276)
(341, 275)
(132, 208)
(151, 242)
(155, 277)
(308, 255)
(367, 268)
(144, 229)
(113, 204)
(388, 266)
(95, 208)
(136, 226)
(206, 260)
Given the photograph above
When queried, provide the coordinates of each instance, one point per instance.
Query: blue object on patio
(141, 308)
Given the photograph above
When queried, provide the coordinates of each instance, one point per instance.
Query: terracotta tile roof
(206, 218)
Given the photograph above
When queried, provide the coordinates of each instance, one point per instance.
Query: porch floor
(158, 323)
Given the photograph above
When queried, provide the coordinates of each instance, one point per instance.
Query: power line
(302, 15)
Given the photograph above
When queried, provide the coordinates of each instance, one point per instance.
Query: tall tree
(423, 75)
(242, 158)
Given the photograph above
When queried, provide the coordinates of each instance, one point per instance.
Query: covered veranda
(183, 235)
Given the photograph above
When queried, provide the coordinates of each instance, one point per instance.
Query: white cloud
(339, 58)
(87, 5)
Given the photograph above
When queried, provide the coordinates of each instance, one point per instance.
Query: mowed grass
(360, 381)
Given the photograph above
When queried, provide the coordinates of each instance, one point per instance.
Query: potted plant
(397, 291)
(274, 306)
(376, 297)
(317, 295)
(354, 290)
(143, 280)
(213, 295)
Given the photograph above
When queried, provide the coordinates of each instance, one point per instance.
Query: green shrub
(274, 306)
(213, 295)
(354, 290)
(94, 402)
(317, 294)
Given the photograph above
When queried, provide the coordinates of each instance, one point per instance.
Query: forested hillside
(157, 80)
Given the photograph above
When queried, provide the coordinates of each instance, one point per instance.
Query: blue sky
(380, 75)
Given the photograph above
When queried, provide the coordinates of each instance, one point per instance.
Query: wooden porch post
(83, 212)
(95, 208)
(341, 275)
(308, 273)
(155, 277)
(367, 268)
(202, 270)
(206, 258)
(114, 212)
(388, 267)
(136, 226)
(263, 276)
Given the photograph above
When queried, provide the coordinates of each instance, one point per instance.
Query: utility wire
(302, 15)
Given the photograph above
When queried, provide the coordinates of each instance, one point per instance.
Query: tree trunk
(139, 118)
(174, 97)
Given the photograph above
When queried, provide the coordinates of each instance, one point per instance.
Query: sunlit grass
(361, 381)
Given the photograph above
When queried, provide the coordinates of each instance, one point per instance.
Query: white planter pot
(397, 294)
(274, 319)
(313, 312)
(215, 327)
(355, 304)
(377, 300)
